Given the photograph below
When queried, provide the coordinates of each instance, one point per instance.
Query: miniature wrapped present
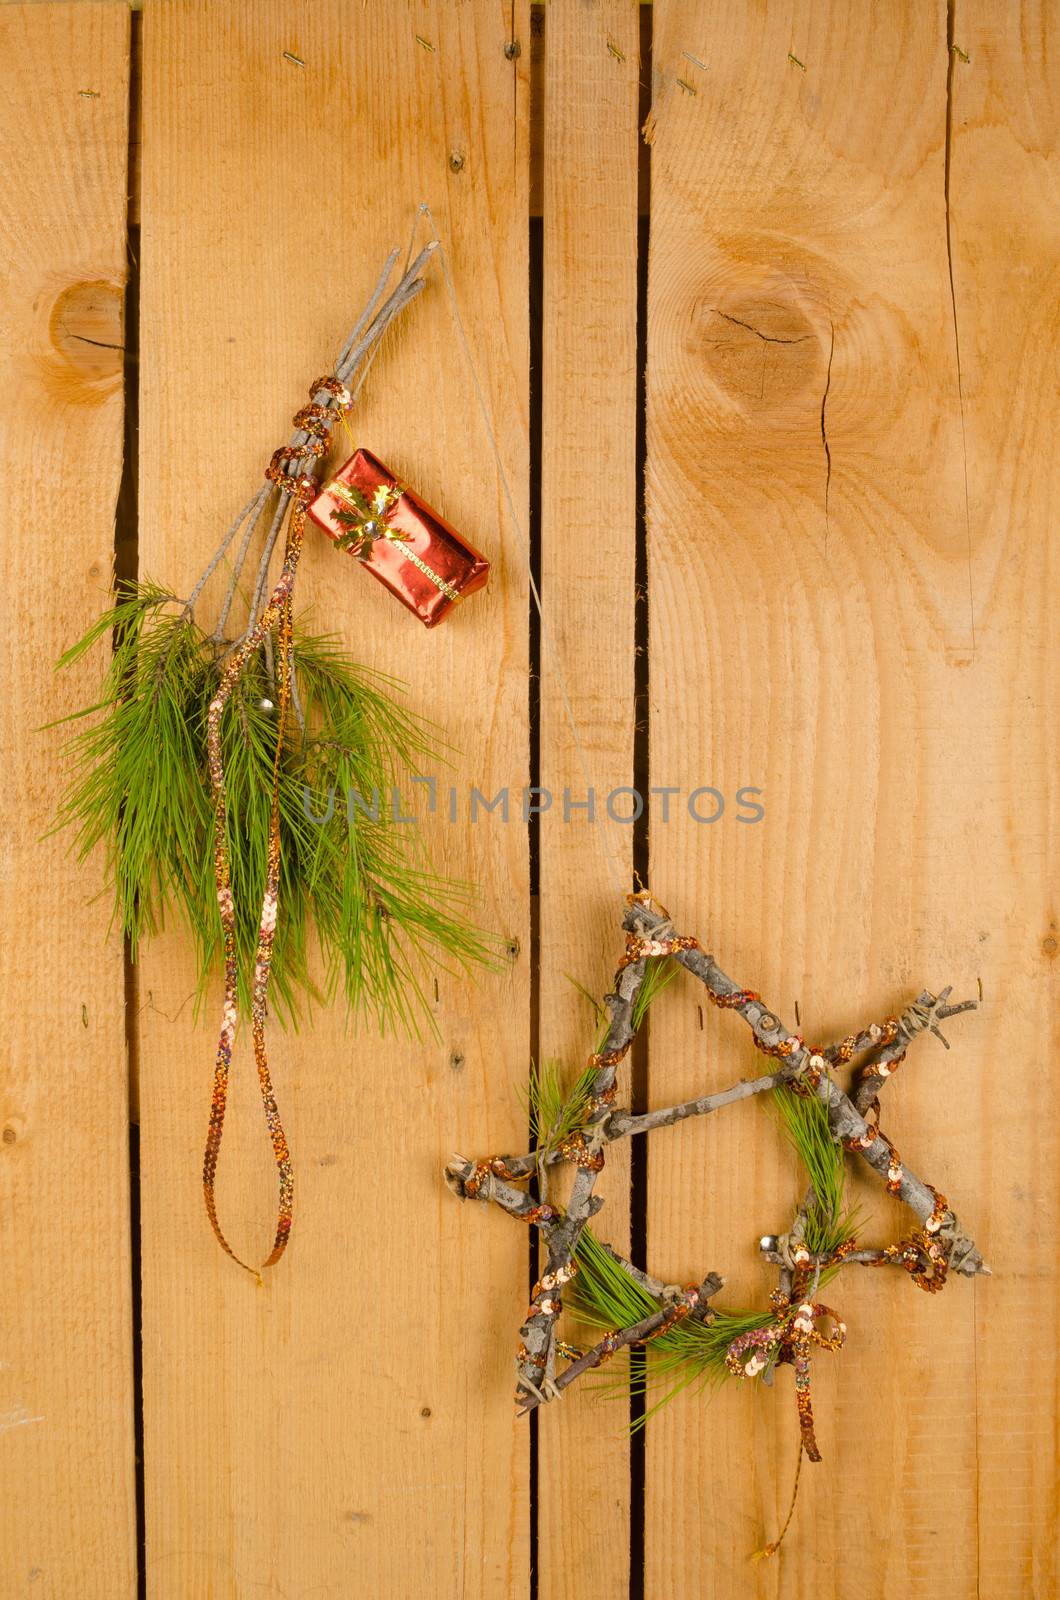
(403, 542)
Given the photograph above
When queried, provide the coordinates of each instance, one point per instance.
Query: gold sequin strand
(278, 615)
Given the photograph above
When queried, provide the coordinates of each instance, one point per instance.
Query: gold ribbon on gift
(365, 520)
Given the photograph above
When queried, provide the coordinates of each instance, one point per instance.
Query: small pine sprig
(657, 978)
(829, 1222)
(554, 1111)
(356, 888)
(603, 1295)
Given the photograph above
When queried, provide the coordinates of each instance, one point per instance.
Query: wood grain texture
(66, 1404)
(588, 546)
(835, 620)
(1005, 239)
(350, 1428)
(852, 423)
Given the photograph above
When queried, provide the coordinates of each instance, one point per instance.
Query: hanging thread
(551, 653)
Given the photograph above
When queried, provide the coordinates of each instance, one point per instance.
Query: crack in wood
(769, 338)
(827, 449)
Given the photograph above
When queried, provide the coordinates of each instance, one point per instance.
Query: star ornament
(826, 1124)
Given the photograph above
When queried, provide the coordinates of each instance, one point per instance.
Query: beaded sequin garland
(797, 1322)
(312, 423)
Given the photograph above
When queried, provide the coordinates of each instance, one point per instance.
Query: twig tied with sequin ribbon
(789, 1337)
(277, 615)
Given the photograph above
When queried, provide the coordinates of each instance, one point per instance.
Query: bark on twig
(624, 1123)
(538, 1331)
(621, 1124)
(855, 1258)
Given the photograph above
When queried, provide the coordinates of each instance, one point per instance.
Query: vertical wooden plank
(588, 549)
(349, 1428)
(858, 639)
(1004, 246)
(66, 1404)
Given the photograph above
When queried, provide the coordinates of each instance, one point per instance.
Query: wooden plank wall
(588, 548)
(1005, 234)
(849, 335)
(67, 1486)
(353, 1420)
(850, 410)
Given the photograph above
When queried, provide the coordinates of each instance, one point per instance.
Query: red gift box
(403, 542)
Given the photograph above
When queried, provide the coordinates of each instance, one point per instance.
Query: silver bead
(266, 706)
(768, 1242)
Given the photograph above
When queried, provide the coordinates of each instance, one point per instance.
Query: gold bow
(363, 519)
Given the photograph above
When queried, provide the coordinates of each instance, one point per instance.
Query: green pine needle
(691, 1352)
(553, 1112)
(361, 910)
(658, 975)
(599, 1013)
(829, 1222)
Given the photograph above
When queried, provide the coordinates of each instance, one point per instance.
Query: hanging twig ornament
(681, 1325)
(217, 765)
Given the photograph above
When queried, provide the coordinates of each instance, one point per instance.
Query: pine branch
(361, 889)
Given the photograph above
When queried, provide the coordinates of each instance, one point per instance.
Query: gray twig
(856, 1258)
(561, 1236)
(653, 1286)
(623, 1123)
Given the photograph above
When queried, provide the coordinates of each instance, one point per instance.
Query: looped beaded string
(789, 1337)
(652, 949)
(922, 1253)
(301, 488)
(574, 1147)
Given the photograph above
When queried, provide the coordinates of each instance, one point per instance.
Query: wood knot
(761, 349)
(87, 331)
